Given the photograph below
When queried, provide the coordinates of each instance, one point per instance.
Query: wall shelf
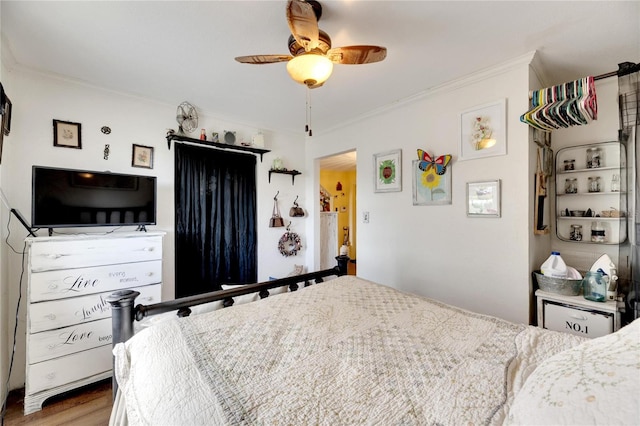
(573, 193)
(293, 174)
(219, 145)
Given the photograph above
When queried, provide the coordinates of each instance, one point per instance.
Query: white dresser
(68, 320)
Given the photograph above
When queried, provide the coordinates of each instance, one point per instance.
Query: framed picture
(483, 131)
(483, 199)
(67, 134)
(430, 188)
(6, 117)
(142, 156)
(387, 171)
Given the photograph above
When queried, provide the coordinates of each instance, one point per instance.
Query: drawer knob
(51, 317)
(148, 248)
(578, 317)
(51, 376)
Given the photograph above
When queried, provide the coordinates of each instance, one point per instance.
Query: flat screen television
(78, 198)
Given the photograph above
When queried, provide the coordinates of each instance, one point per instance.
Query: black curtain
(215, 198)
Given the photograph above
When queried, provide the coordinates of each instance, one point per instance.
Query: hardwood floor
(87, 406)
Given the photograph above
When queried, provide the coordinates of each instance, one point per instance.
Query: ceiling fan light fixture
(310, 69)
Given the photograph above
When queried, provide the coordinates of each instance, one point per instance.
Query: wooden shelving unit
(293, 174)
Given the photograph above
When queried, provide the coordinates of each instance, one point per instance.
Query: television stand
(142, 228)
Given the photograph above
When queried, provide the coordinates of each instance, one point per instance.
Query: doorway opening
(337, 193)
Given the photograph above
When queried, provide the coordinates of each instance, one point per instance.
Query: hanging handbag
(276, 220)
(296, 210)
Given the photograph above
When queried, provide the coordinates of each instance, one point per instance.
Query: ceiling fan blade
(263, 59)
(352, 55)
(303, 23)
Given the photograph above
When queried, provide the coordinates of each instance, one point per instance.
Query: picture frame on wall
(67, 134)
(387, 171)
(430, 188)
(483, 131)
(142, 156)
(483, 199)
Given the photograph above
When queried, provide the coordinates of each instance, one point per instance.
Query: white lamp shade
(310, 69)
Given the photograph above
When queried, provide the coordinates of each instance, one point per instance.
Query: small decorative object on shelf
(597, 233)
(277, 164)
(203, 135)
(571, 186)
(576, 232)
(615, 183)
(594, 158)
(569, 165)
(258, 140)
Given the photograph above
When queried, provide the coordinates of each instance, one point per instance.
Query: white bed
(349, 351)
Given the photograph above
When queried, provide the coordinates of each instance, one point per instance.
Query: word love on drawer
(68, 340)
(51, 285)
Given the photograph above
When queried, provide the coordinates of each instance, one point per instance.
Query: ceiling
(171, 51)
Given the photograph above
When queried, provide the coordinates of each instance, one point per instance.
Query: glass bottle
(594, 287)
(615, 183)
(597, 233)
(596, 158)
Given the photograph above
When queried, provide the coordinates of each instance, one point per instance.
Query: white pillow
(596, 382)
(252, 297)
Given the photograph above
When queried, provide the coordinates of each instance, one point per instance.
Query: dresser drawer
(65, 312)
(59, 284)
(79, 253)
(64, 341)
(61, 371)
(574, 320)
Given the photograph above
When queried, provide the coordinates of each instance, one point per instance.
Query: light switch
(365, 217)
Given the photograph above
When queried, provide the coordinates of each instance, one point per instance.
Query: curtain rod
(607, 75)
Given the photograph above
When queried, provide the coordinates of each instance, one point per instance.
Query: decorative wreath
(289, 244)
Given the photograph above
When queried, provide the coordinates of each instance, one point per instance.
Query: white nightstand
(577, 315)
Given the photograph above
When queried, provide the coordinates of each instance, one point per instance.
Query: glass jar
(570, 186)
(594, 287)
(594, 184)
(576, 233)
(597, 233)
(594, 158)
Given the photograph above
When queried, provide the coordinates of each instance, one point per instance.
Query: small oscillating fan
(187, 118)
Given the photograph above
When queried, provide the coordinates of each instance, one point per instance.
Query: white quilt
(346, 351)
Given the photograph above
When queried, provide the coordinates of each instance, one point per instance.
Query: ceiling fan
(312, 58)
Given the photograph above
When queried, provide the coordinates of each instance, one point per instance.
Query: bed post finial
(122, 317)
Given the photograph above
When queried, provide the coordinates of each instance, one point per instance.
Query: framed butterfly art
(431, 179)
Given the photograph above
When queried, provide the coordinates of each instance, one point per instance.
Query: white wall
(437, 251)
(4, 299)
(38, 99)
